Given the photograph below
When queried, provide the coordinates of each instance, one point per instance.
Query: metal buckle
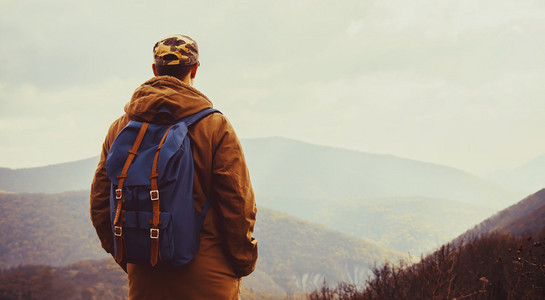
(118, 194)
(154, 233)
(118, 231)
(152, 193)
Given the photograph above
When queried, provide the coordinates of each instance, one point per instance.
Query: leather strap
(123, 175)
(119, 240)
(154, 195)
(118, 228)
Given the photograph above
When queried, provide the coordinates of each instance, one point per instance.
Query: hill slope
(528, 215)
(54, 229)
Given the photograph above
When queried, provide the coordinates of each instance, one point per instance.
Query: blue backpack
(151, 200)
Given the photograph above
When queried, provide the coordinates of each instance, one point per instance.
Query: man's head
(177, 56)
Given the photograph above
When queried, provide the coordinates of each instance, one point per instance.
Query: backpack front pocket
(137, 236)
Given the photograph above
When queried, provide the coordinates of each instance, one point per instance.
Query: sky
(454, 82)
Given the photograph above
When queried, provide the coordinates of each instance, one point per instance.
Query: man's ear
(194, 70)
(154, 70)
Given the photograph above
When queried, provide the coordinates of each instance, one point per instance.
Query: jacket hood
(165, 92)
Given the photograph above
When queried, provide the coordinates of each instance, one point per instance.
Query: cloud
(455, 81)
(354, 28)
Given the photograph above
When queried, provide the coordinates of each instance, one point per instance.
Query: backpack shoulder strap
(190, 120)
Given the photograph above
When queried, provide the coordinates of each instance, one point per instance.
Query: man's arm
(232, 190)
(100, 191)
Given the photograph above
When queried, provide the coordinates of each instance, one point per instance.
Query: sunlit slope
(527, 215)
(294, 255)
(286, 168)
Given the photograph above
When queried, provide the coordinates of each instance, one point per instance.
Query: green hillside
(298, 255)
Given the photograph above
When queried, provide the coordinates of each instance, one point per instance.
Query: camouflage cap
(180, 46)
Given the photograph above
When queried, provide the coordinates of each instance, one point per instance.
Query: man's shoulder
(119, 124)
(215, 121)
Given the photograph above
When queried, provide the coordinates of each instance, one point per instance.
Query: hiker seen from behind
(171, 198)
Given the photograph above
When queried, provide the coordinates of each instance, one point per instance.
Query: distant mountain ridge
(529, 177)
(288, 168)
(69, 176)
(282, 167)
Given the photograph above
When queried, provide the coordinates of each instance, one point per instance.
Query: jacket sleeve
(232, 190)
(100, 191)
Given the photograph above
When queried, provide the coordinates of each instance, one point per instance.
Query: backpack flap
(140, 169)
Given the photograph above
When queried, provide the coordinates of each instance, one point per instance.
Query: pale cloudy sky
(454, 82)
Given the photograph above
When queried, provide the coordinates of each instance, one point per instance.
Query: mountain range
(294, 255)
(291, 169)
(400, 203)
(283, 167)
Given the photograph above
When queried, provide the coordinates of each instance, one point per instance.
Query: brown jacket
(227, 249)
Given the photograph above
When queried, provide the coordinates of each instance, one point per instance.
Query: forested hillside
(299, 255)
(50, 229)
(294, 255)
(90, 279)
(407, 224)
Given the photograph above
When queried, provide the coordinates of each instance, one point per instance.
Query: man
(227, 249)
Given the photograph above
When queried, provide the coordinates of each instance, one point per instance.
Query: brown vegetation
(491, 267)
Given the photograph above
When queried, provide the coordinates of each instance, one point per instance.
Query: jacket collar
(165, 92)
